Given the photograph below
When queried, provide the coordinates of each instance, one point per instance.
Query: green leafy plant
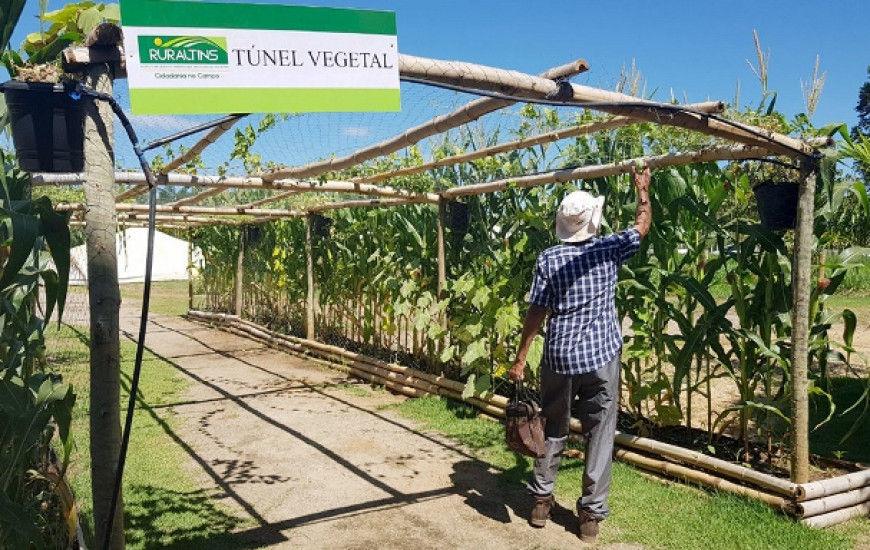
(34, 404)
(39, 57)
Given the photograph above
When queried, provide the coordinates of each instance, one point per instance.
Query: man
(575, 282)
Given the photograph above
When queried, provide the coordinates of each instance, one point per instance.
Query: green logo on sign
(183, 50)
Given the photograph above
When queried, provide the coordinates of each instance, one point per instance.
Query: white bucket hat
(578, 217)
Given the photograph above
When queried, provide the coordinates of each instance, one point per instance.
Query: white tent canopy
(170, 258)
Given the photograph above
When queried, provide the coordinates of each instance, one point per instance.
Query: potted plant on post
(46, 114)
(776, 195)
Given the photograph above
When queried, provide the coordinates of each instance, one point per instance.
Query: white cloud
(355, 131)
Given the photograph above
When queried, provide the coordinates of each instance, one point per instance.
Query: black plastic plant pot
(47, 123)
(777, 204)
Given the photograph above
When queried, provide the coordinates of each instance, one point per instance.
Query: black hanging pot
(47, 123)
(459, 217)
(777, 204)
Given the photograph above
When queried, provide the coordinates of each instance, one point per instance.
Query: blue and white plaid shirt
(577, 283)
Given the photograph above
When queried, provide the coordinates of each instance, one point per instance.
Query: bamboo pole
(208, 139)
(838, 516)
(701, 478)
(719, 466)
(362, 203)
(309, 277)
(548, 137)
(442, 268)
(240, 275)
(199, 197)
(179, 209)
(269, 200)
(527, 86)
(801, 282)
(833, 486)
(189, 269)
(830, 503)
(471, 111)
(611, 169)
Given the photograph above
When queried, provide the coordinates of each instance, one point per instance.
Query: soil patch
(314, 459)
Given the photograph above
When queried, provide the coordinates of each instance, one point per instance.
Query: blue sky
(697, 50)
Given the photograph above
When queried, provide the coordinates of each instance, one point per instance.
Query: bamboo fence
(817, 504)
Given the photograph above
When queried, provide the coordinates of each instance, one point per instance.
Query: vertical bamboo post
(309, 270)
(105, 304)
(189, 269)
(240, 273)
(442, 266)
(801, 276)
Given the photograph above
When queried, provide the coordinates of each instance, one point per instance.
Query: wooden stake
(801, 288)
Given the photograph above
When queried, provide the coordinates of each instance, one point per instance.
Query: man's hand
(517, 372)
(642, 179)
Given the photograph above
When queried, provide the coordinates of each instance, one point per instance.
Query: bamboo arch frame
(509, 87)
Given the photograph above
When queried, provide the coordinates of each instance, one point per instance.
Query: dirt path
(313, 465)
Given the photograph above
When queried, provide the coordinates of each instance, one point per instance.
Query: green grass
(643, 512)
(162, 502)
(167, 297)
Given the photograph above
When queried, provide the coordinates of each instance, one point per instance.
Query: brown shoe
(588, 527)
(541, 510)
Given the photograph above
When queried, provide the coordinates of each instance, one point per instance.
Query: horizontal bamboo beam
(205, 210)
(838, 516)
(470, 112)
(362, 203)
(781, 487)
(612, 169)
(833, 486)
(529, 87)
(222, 182)
(161, 218)
(833, 502)
(701, 478)
(273, 198)
(548, 137)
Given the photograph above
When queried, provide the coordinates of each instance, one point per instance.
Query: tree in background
(862, 129)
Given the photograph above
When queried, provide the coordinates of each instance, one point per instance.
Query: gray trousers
(598, 393)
